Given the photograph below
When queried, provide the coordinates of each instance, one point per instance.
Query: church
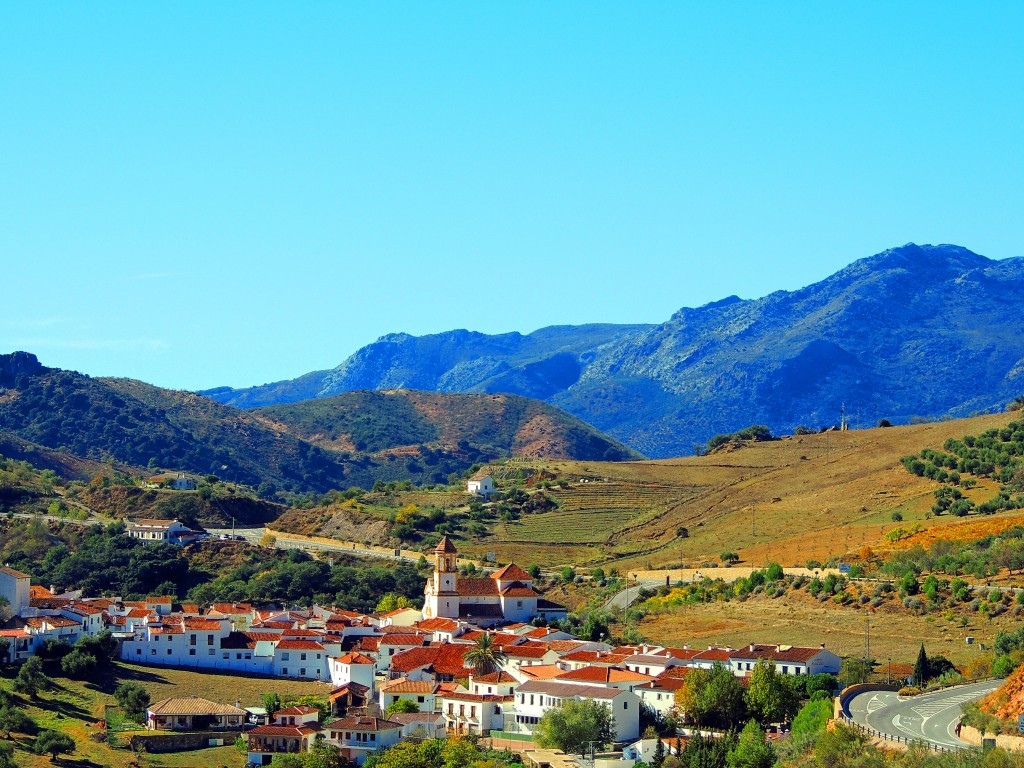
(507, 595)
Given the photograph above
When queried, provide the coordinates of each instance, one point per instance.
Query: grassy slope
(789, 500)
(75, 707)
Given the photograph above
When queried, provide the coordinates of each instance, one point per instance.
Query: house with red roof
(787, 659)
(291, 730)
(358, 736)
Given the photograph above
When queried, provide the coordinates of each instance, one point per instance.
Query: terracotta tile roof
(299, 645)
(369, 643)
(466, 587)
(49, 602)
(465, 696)
(35, 590)
(670, 683)
(437, 625)
(193, 705)
(297, 709)
(158, 600)
(518, 590)
(442, 659)
(495, 678)
(301, 633)
(11, 572)
(138, 613)
(674, 673)
(525, 651)
(713, 654)
(84, 609)
(172, 629)
(355, 658)
(511, 572)
(297, 731)
(403, 685)
(203, 624)
(37, 622)
(357, 689)
(362, 724)
(605, 675)
(563, 646)
(445, 546)
(682, 653)
(237, 641)
(232, 607)
(408, 718)
(542, 671)
(190, 607)
(403, 639)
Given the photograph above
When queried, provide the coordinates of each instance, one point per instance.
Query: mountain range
(353, 439)
(922, 331)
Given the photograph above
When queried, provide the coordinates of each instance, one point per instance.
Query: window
(169, 651)
(191, 651)
(302, 672)
(785, 670)
(625, 705)
(302, 657)
(226, 655)
(152, 651)
(209, 639)
(238, 655)
(213, 652)
(284, 657)
(138, 651)
(248, 655)
(192, 639)
(284, 671)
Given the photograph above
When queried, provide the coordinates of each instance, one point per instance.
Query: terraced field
(789, 500)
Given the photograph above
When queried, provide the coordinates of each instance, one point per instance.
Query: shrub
(909, 690)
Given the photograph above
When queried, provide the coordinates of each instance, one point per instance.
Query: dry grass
(790, 500)
(75, 708)
(796, 619)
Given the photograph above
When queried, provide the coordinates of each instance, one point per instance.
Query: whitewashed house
(534, 698)
(788, 659)
(14, 586)
(481, 484)
(356, 737)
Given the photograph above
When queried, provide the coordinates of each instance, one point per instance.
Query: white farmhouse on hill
(481, 485)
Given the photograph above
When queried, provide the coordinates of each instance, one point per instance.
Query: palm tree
(484, 657)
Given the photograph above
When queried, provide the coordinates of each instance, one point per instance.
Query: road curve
(930, 717)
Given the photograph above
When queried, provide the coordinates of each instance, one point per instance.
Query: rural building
(788, 659)
(291, 730)
(177, 482)
(356, 737)
(186, 713)
(165, 531)
(15, 588)
(481, 484)
(534, 698)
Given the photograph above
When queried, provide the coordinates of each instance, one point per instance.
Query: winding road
(930, 717)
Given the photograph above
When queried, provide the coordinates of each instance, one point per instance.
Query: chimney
(823, 646)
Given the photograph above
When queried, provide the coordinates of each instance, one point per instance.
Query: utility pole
(867, 639)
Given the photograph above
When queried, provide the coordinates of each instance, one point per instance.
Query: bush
(909, 690)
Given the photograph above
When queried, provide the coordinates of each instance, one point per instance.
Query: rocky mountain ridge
(916, 331)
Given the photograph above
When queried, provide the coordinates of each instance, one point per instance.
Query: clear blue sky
(198, 194)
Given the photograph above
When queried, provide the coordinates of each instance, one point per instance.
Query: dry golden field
(790, 500)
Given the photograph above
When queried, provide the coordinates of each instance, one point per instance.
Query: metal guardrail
(844, 717)
(898, 739)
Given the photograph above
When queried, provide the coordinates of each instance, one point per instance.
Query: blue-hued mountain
(918, 330)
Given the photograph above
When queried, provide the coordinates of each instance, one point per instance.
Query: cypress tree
(921, 668)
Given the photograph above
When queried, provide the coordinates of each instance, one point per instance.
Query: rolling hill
(314, 446)
(915, 331)
(789, 500)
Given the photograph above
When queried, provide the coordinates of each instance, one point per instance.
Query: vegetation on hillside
(102, 561)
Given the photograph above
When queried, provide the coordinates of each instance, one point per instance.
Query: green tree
(271, 703)
(14, 720)
(484, 657)
(855, 671)
(770, 697)
(53, 743)
(573, 726)
(401, 706)
(7, 756)
(5, 646)
(132, 698)
(78, 664)
(712, 697)
(392, 602)
(752, 749)
(31, 679)
(921, 668)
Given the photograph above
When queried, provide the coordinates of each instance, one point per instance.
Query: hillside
(799, 498)
(316, 446)
(922, 331)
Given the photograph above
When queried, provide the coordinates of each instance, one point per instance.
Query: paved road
(630, 594)
(253, 536)
(929, 717)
